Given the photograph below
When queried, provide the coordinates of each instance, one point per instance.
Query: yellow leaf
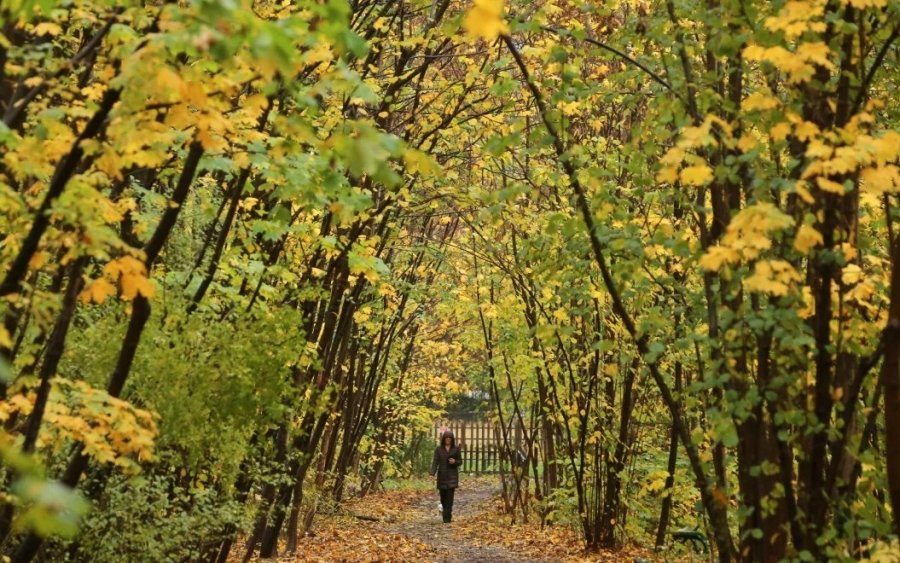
(881, 179)
(815, 52)
(97, 291)
(419, 162)
(818, 149)
(797, 17)
(807, 238)
(863, 4)
(716, 256)
(803, 191)
(696, 175)
(485, 19)
(124, 265)
(38, 260)
(795, 64)
(132, 285)
(747, 142)
(168, 80)
(780, 131)
(809, 304)
(830, 186)
(759, 101)
(240, 160)
(851, 274)
(673, 156)
(193, 93)
(206, 139)
(47, 28)
(772, 276)
(667, 175)
(806, 130)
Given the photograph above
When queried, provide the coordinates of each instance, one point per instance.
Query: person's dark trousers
(447, 503)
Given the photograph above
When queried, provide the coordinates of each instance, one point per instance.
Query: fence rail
(480, 442)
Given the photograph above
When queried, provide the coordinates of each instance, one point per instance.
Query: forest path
(405, 525)
(464, 539)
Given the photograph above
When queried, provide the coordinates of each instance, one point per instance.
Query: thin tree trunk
(890, 384)
(55, 346)
(12, 283)
(670, 477)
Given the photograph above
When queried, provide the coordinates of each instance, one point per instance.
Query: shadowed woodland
(252, 251)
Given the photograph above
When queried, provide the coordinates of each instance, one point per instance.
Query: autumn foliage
(252, 252)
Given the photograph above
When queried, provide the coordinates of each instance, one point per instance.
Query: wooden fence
(480, 442)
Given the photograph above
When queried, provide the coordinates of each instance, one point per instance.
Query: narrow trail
(405, 525)
(459, 540)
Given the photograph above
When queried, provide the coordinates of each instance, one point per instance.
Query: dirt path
(459, 540)
(404, 525)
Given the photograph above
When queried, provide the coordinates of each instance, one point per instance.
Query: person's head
(447, 439)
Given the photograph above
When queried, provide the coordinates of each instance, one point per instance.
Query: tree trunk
(890, 384)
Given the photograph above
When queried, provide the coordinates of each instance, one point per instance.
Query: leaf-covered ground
(406, 526)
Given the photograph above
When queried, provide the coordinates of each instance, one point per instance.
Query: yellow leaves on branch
(796, 125)
(131, 276)
(111, 430)
(485, 20)
(702, 135)
(863, 4)
(797, 17)
(775, 277)
(759, 101)
(717, 256)
(697, 173)
(97, 291)
(861, 288)
(193, 107)
(747, 236)
(873, 157)
(798, 65)
(830, 186)
(881, 179)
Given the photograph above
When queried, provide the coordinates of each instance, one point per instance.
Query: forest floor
(405, 525)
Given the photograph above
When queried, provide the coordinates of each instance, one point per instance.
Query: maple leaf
(485, 20)
(807, 238)
(97, 291)
(134, 284)
(806, 130)
(780, 131)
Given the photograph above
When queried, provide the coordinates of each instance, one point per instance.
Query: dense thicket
(251, 250)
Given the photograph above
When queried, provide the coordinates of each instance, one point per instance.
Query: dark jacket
(447, 473)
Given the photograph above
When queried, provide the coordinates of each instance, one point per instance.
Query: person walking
(446, 462)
